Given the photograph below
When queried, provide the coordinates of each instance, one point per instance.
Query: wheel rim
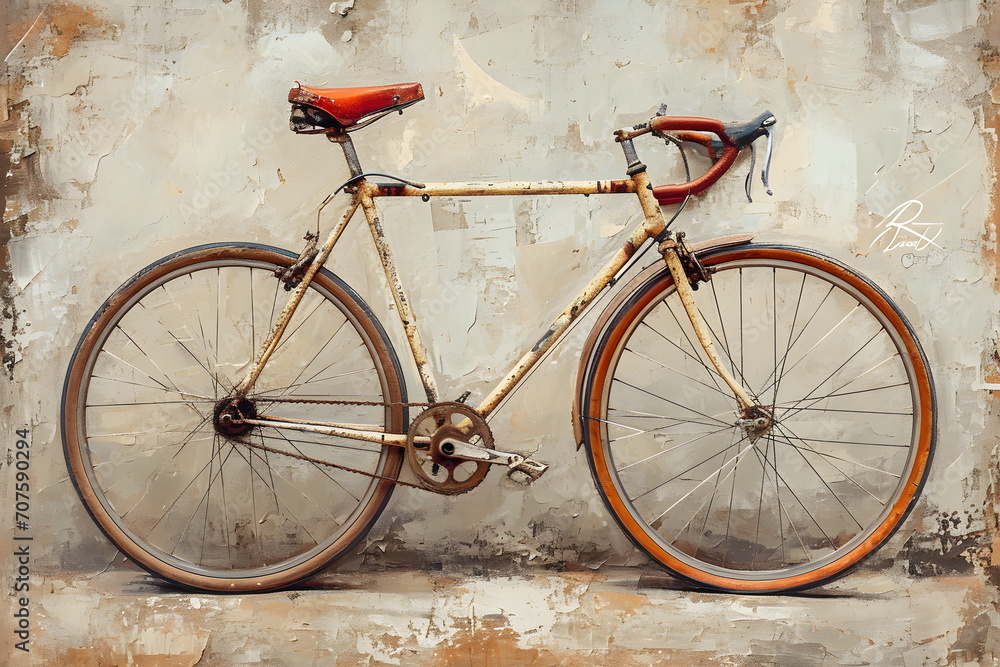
(672, 496)
(213, 505)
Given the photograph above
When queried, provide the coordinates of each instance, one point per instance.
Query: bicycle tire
(200, 507)
(853, 431)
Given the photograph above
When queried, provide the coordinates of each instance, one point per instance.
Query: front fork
(753, 418)
(670, 249)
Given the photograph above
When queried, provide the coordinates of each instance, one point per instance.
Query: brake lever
(765, 172)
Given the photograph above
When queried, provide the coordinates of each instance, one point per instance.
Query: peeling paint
(131, 130)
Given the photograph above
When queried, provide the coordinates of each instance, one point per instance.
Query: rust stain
(68, 21)
(622, 605)
(19, 179)
(9, 226)
(989, 58)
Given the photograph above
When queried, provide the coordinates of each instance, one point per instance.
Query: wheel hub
(230, 413)
(757, 420)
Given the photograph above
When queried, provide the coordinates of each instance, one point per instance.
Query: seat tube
(406, 314)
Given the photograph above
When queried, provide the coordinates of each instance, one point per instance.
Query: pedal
(474, 451)
(529, 467)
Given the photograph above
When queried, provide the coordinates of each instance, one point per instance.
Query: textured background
(135, 129)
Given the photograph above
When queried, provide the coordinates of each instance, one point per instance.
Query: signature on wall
(906, 232)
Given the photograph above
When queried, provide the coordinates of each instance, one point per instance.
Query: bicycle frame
(364, 194)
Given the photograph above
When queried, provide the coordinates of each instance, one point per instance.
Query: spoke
(286, 337)
(325, 471)
(126, 478)
(710, 500)
(777, 497)
(316, 356)
(722, 324)
(292, 388)
(167, 509)
(735, 459)
(676, 421)
(216, 449)
(742, 345)
(161, 386)
(145, 386)
(831, 457)
(780, 369)
(155, 365)
(218, 314)
(774, 380)
(827, 335)
(816, 399)
(670, 449)
(208, 401)
(805, 509)
(851, 412)
(836, 393)
(712, 373)
(854, 442)
(287, 511)
(337, 445)
(727, 394)
(208, 503)
(760, 501)
(225, 501)
(143, 453)
(169, 331)
(254, 517)
(253, 320)
(823, 480)
(687, 470)
(788, 440)
(209, 352)
(809, 395)
(667, 400)
(725, 350)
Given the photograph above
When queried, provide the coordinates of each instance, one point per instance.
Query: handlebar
(722, 142)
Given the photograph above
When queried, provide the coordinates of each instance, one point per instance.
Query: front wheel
(838, 453)
(188, 495)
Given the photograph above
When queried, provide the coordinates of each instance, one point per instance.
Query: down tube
(563, 322)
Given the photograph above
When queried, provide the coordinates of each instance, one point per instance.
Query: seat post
(344, 139)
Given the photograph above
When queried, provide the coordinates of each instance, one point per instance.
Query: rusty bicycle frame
(364, 194)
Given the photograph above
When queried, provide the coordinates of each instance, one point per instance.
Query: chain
(303, 457)
(326, 401)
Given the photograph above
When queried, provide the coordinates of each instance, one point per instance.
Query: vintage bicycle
(756, 417)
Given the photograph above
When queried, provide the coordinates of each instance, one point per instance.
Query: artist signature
(906, 231)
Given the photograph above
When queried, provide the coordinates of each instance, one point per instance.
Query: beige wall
(138, 129)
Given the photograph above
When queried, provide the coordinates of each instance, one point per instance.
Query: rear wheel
(167, 475)
(832, 463)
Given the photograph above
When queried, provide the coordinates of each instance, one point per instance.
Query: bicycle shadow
(842, 589)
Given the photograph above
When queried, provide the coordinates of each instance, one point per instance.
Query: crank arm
(472, 452)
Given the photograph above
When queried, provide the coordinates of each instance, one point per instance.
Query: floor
(620, 617)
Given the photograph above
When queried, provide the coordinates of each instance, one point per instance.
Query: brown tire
(207, 508)
(849, 410)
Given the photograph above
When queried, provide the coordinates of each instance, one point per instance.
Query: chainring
(436, 471)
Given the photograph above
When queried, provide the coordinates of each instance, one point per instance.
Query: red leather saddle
(349, 106)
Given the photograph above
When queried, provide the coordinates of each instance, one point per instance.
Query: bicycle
(756, 417)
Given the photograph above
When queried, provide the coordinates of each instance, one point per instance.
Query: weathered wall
(136, 129)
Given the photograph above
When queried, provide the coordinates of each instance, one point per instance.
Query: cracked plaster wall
(132, 130)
